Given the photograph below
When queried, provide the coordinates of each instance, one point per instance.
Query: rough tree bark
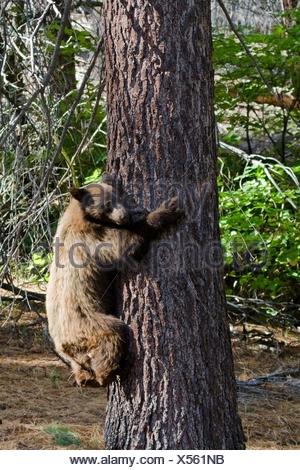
(180, 392)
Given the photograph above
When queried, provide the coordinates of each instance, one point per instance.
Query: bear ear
(107, 178)
(112, 180)
(78, 193)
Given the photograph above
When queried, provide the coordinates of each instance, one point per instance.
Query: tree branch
(25, 294)
(282, 101)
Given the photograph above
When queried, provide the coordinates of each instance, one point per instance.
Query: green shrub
(261, 234)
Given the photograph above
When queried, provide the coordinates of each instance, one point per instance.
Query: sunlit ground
(41, 409)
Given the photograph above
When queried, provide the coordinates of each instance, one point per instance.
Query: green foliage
(63, 436)
(91, 160)
(261, 234)
(259, 197)
(75, 40)
(239, 84)
(37, 269)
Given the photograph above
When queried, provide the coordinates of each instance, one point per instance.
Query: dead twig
(48, 76)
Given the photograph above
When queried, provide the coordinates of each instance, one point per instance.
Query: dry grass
(270, 414)
(36, 391)
(271, 424)
(41, 409)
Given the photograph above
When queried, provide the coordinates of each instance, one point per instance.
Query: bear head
(103, 203)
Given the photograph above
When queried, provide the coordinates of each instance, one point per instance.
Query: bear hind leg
(110, 358)
(82, 376)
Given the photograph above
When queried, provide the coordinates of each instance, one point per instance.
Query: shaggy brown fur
(98, 234)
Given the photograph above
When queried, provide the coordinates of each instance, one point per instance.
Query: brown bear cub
(98, 234)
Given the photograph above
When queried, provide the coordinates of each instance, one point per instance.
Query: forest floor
(41, 409)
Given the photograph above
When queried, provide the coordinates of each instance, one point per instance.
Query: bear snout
(119, 215)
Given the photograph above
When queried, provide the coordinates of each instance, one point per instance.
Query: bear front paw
(168, 213)
(172, 205)
(170, 210)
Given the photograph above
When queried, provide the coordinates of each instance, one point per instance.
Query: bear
(99, 233)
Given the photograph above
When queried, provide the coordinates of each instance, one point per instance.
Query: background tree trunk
(180, 393)
(287, 4)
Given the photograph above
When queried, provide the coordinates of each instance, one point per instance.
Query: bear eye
(108, 207)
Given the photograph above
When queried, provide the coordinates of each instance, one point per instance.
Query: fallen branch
(278, 376)
(267, 164)
(276, 385)
(24, 294)
(257, 311)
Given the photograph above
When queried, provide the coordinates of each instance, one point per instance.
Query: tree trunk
(180, 392)
(288, 4)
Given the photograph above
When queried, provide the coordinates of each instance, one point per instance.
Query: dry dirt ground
(41, 409)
